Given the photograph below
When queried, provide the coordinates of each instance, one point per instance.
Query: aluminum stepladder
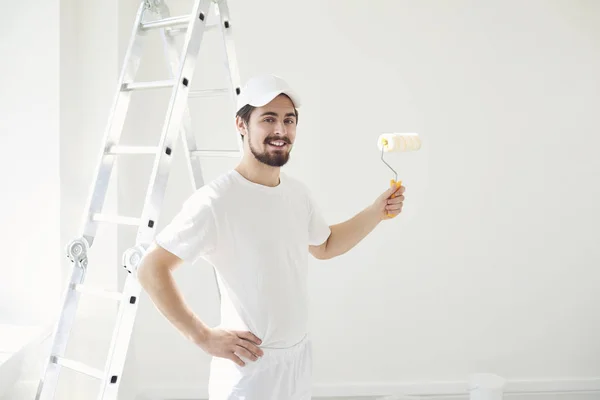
(151, 15)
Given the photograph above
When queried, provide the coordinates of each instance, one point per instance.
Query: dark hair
(245, 112)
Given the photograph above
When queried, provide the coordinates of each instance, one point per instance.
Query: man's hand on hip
(230, 344)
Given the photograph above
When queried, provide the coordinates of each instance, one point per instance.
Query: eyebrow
(274, 114)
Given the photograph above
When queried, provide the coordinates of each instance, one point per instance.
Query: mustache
(284, 139)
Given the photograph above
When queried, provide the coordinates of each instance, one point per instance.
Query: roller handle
(396, 184)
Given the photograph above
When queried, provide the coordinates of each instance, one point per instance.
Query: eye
(290, 121)
(269, 119)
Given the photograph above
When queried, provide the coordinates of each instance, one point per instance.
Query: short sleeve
(192, 233)
(318, 228)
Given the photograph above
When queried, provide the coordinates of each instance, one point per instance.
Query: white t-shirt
(257, 239)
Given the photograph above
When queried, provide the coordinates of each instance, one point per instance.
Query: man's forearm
(161, 288)
(344, 236)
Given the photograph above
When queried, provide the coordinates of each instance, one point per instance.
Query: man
(256, 226)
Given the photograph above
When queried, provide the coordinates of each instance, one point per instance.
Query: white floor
(15, 341)
(29, 394)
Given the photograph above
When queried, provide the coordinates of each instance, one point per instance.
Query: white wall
(492, 265)
(29, 166)
(30, 271)
(57, 88)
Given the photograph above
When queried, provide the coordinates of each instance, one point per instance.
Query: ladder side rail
(188, 140)
(154, 196)
(231, 57)
(62, 328)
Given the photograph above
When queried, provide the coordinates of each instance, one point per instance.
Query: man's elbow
(146, 271)
(319, 255)
(321, 252)
(156, 261)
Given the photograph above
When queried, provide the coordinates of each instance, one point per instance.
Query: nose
(279, 128)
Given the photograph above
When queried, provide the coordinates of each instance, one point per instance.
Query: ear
(240, 125)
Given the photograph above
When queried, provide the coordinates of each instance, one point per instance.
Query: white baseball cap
(261, 89)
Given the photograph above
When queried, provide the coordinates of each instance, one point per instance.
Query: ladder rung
(183, 29)
(147, 85)
(208, 93)
(78, 366)
(116, 150)
(216, 153)
(115, 219)
(86, 289)
(167, 22)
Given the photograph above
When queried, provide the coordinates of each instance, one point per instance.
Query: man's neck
(257, 172)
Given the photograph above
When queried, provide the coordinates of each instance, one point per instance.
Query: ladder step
(115, 219)
(78, 367)
(147, 85)
(183, 29)
(208, 93)
(86, 289)
(216, 153)
(116, 150)
(167, 22)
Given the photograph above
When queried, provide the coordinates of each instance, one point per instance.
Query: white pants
(280, 374)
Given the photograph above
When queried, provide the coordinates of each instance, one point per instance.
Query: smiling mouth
(280, 144)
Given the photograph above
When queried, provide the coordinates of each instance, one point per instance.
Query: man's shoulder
(222, 184)
(214, 190)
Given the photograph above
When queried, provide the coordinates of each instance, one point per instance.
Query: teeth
(280, 144)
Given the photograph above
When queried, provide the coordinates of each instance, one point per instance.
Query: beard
(276, 159)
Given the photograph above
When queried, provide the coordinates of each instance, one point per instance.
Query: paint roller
(397, 142)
